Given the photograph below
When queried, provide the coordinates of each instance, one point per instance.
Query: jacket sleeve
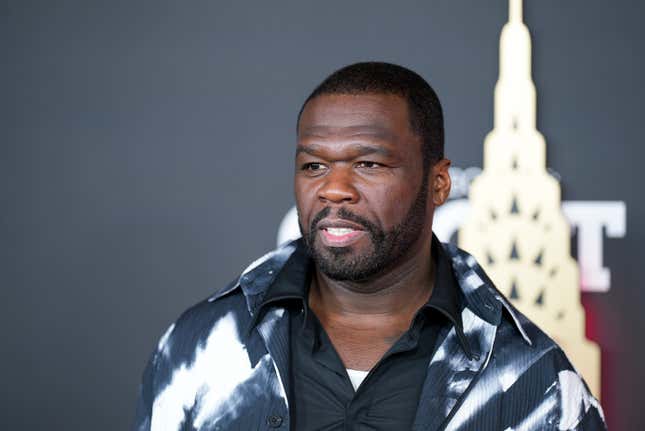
(576, 409)
(551, 395)
(592, 421)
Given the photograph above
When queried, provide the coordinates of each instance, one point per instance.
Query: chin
(345, 264)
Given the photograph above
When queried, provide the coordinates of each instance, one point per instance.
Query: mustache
(344, 213)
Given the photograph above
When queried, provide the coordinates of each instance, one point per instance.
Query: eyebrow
(359, 149)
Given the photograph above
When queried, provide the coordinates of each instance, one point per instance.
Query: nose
(338, 187)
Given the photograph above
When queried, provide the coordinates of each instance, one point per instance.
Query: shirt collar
(292, 282)
(446, 296)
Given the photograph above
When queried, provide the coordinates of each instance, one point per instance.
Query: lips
(340, 233)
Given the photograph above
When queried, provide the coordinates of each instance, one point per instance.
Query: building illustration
(516, 228)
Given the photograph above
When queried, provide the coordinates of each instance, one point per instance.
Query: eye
(368, 165)
(313, 168)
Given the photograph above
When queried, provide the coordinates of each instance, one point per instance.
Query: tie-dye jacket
(213, 370)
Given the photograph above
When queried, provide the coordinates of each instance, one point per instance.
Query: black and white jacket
(210, 372)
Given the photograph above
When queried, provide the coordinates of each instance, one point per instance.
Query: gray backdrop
(146, 158)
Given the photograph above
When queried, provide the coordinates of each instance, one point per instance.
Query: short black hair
(424, 108)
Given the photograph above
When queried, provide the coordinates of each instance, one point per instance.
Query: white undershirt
(356, 377)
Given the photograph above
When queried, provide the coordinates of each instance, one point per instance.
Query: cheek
(389, 203)
(304, 204)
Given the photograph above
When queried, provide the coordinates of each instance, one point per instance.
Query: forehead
(382, 115)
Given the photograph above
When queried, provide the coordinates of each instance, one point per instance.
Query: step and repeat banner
(147, 158)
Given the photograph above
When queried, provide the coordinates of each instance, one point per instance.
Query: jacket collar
(258, 276)
(481, 297)
(293, 279)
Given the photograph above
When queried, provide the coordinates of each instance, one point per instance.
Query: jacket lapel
(274, 330)
(451, 372)
(273, 326)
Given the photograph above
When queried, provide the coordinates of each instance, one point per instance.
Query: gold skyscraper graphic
(516, 228)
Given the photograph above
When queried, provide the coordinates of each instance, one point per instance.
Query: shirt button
(274, 421)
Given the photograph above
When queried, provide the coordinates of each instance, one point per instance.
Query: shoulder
(198, 330)
(541, 377)
(201, 335)
(536, 384)
(222, 318)
(518, 337)
(542, 355)
(528, 376)
(199, 322)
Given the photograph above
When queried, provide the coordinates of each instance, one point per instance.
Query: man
(368, 322)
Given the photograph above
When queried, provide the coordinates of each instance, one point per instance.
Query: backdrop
(147, 150)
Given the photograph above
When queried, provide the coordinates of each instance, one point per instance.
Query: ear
(440, 182)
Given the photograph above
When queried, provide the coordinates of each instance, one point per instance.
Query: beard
(345, 264)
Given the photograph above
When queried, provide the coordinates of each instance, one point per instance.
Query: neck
(397, 292)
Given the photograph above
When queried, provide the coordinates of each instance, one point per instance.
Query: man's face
(361, 192)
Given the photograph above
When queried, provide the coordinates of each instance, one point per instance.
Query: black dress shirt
(322, 396)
